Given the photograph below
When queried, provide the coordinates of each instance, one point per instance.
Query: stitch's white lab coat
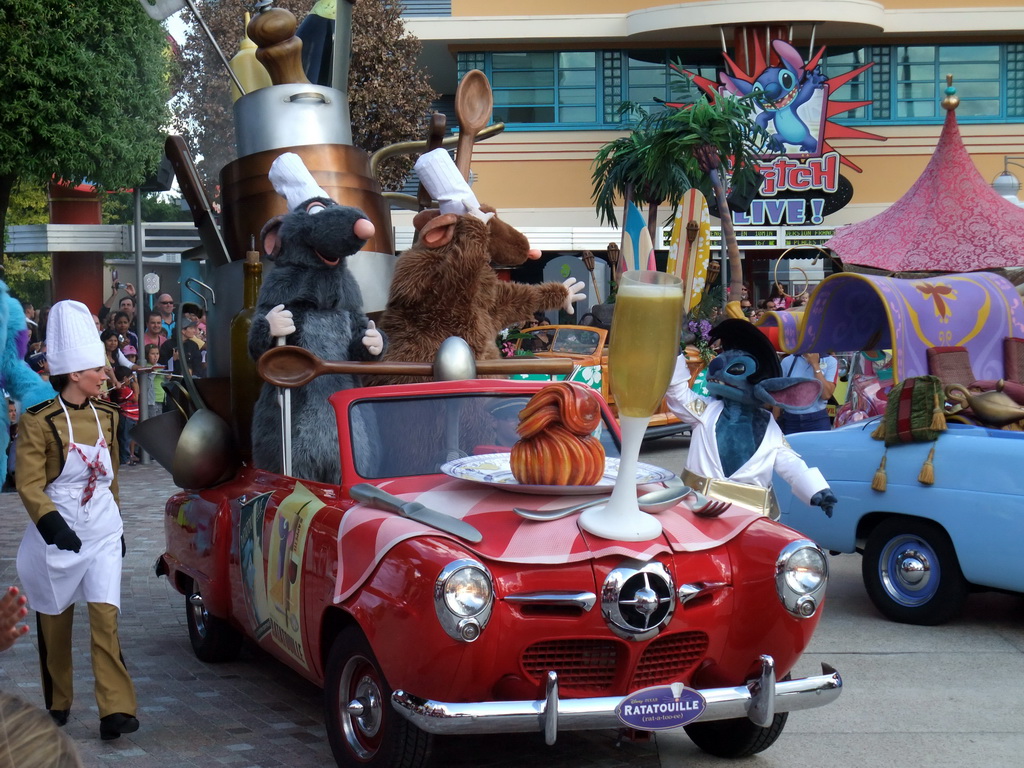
(774, 454)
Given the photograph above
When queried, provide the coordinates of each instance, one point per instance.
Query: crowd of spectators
(137, 373)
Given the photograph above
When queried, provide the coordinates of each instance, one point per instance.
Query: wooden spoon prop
(473, 105)
(291, 366)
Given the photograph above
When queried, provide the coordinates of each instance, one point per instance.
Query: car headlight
(463, 599)
(801, 573)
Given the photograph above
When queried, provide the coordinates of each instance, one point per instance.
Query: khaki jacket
(43, 447)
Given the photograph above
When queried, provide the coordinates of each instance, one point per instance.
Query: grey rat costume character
(312, 300)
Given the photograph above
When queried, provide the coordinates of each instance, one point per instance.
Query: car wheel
(363, 728)
(911, 572)
(735, 738)
(213, 639)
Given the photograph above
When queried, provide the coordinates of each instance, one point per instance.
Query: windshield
(571, 341)
(395, 437)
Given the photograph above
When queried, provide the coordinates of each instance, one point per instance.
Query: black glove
(124, 547)
(54, 530)
(826, 500)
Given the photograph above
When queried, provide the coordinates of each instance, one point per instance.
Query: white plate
(493, 469)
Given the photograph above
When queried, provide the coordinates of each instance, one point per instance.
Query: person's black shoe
(114, 725)
(60, 716)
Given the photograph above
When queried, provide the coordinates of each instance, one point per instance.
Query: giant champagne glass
(644, 346)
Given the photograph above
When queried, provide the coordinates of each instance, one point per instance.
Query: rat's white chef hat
(72, 341)
(442, 179)
(293, 181)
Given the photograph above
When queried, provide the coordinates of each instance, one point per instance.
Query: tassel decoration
(880, 479)
(927, 474)
(879, 432)
(938, 416)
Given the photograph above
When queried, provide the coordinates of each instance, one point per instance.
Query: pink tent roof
(951, 220)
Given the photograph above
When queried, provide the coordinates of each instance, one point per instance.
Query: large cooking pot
(343, 171)
(291, 115)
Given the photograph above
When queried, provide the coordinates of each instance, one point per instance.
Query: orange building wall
(553, 169)
(574, 7)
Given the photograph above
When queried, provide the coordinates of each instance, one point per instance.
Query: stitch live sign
(791, 101)
(797, 191)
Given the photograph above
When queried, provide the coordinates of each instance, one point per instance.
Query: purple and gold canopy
(950, 220)
(849, 312)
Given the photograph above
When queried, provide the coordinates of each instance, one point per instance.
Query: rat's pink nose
(364, 229)
(534, 253)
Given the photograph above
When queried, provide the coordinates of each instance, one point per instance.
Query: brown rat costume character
(445, 285)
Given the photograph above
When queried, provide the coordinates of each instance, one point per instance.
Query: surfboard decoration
(637, 246)
(690, 247)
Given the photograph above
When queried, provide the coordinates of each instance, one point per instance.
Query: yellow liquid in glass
(644, 345)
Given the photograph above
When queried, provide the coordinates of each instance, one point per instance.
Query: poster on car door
(286, 547)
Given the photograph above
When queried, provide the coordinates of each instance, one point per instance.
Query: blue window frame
(538, 87)
(544, 90)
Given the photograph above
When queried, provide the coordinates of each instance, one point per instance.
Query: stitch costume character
(311, 299)
(736, 444)
(16, 376)
(445, 286)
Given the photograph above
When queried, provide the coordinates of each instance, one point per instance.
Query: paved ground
(943, 697)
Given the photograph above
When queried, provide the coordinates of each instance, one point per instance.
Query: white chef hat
(442, 179)
(72, 341)
(293, 181)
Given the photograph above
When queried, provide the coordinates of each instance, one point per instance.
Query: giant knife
(374, 497)
(199, 204)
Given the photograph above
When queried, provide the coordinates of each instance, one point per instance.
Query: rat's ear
(269, 236)
(437, 230)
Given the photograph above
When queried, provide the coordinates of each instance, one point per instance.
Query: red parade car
(424, 604)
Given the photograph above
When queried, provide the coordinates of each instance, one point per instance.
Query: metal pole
(140, 320)
(284, 401)
(342, 45)
(209, 34)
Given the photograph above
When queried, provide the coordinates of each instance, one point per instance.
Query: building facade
(560, 70)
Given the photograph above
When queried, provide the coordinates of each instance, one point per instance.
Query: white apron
(55, 579)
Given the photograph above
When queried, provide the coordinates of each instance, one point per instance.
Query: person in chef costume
(73, 547)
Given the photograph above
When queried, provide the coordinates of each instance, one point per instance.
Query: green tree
(85, 91)
(389, 95)
(28, 277)
(722, 137)
(708, 144)
(622, 171)
(119, 208)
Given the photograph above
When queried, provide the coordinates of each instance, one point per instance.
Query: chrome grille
(580, 664)
(668, 658)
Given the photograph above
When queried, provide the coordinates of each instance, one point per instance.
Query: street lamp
(1006, 184)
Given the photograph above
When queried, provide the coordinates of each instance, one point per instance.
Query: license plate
(661, 707)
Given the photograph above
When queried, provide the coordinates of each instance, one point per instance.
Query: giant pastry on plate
(556, 446)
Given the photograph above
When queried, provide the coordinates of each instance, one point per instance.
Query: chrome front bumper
(759, 700)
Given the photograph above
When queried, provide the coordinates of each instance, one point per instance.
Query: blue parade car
(924, 547)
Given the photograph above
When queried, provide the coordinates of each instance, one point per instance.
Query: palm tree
(721, 136)
(670, 151)
(622, 170)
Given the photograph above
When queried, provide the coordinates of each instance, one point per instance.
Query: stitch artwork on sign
(792, 101)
